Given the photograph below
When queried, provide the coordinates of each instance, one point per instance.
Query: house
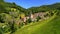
(34, 16)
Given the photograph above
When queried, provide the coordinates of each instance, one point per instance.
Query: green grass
(49, 26)
(52, 27)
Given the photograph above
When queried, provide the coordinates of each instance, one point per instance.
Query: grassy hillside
(12, 17)
(49, 26)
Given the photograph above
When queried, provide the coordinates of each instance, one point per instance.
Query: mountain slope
(4, 6)
(52, 27)
(49, 26)
(45, 8)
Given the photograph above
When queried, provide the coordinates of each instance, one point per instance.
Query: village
(35, 17)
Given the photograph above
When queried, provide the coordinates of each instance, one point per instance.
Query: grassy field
(49, 26)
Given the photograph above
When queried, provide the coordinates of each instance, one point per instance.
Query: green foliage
(10, 12)
(5, 18)
(1, 31)
(13, 28)
(1, 0)
(38, 18)
(29, 20)
(45, 8)
(14, 13)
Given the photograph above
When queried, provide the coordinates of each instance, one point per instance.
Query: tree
(5, 18)
(29, 20)
(38, 18)
(13, 28)
(1, 30)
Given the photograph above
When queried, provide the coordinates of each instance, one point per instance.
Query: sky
(32, 3)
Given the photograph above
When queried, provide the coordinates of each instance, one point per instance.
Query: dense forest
(14, 17)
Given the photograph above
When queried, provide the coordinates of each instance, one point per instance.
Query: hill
(17, 20)
(45, 8)
(49, 26)
(4, 6)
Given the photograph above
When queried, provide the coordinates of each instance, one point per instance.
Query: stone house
(40, 14)
(34, 16)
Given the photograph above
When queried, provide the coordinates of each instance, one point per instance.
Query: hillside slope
(5, 6)
(49, 26)
(52, 27)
